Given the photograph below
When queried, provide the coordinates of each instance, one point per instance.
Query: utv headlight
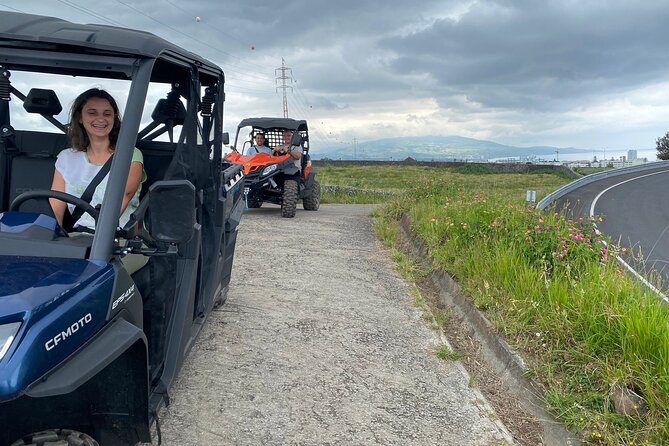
(7, 333)
(269, 169)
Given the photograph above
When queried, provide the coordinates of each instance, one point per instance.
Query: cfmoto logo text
(72, 329)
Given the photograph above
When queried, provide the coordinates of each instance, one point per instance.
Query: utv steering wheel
(62, 196)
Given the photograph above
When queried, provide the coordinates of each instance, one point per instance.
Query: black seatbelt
(90, 190)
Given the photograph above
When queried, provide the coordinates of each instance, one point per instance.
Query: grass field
(582, 324)
(400, 179)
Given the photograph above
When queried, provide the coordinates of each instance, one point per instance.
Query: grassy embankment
(585, 326)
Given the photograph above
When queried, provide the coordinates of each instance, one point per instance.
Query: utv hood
(32, 281)
(60, 303)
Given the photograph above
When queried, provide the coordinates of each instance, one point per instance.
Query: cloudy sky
(588, 73)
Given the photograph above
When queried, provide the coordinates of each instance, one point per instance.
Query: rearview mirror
(226, 138)
(172, 211)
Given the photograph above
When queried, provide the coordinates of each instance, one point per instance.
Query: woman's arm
(58, 206)
(131, 186)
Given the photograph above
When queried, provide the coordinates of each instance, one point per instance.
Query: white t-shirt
(78, 172)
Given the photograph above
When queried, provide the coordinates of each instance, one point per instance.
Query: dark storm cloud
(510, 68)
(538, 54)
(307, 23)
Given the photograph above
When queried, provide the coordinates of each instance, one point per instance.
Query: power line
(88, 11)
(219, 30)
(246, 73)
(9, 7)
(247, 90)
(300, 98)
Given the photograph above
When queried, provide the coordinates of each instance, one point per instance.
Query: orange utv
(273, 177)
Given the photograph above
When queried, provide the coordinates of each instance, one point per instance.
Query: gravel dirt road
(319, 344)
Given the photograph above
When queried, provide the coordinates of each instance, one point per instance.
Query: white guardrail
(564, 190)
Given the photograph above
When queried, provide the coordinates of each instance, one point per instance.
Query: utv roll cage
(273, 128)
(190, 238)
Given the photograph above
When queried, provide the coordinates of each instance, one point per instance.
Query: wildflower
(537, 334)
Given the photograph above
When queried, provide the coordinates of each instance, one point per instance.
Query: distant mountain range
(435, 148)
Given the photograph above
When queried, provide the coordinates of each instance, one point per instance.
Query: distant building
(622, 162)
(631, 155)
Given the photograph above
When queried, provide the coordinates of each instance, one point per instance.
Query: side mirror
(172, 210)
(296, 139)
(226, 138)
(42, 101)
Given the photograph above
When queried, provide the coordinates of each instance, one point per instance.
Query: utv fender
(309, 182)
(105, 348)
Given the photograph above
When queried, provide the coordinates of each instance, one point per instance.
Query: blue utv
(89, 352)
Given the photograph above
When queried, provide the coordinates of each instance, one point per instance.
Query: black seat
(157, 158)
(31, 166)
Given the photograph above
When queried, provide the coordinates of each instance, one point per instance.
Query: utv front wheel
(56, 437)
(313, 201)
(289, 199)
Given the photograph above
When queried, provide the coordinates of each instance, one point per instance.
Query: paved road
(319, 344)
(636, 214)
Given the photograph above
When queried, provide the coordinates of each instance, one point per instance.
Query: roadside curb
(499, 355)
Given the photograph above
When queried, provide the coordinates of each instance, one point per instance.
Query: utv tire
(254, 202)
(289, 199)
(313, 201)
(56, 437)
